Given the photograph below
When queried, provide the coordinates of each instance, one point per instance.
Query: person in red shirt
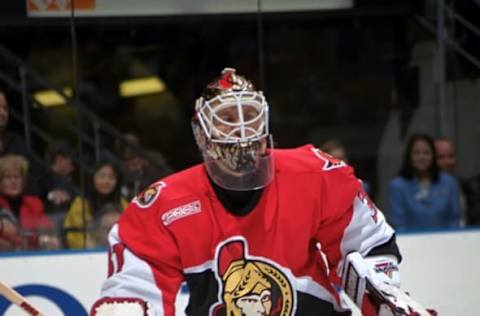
(24, 224)
(253, 230)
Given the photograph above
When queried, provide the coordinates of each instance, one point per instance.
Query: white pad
(112, 306)
(354, 277)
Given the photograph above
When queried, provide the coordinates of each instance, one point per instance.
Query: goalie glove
(378, 278)
(395, 302)
(121, 306)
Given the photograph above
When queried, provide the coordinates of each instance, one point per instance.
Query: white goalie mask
(230, 125)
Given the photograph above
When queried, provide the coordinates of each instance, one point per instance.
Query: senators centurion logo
(146, 198)
(250, 285)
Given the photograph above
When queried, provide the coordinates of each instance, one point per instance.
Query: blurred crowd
(44, 207)
(426, 193)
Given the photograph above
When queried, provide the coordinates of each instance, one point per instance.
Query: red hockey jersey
(282, 258)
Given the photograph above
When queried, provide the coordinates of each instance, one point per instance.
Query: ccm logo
(181, 212)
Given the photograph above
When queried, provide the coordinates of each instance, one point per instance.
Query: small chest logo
(181, 212)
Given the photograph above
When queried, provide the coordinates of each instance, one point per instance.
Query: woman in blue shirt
(422, 196)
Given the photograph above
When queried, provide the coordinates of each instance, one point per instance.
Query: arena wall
(439, 269)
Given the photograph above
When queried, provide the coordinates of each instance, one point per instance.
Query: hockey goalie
(252, 230)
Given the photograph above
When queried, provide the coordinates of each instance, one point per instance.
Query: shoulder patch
(148, 196)
(330, 161)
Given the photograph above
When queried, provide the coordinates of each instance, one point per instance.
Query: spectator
(12, 143)
(8, 231)
(422, 196)
(103, 188)
(26, 212)
(58, 186)
(446, 159)
(337, 150)
(447, 162)
(139, 172)
(472, 195)
(107, 217)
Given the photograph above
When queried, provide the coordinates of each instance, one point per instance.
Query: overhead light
(127, 88)
(141, 86)
(51, 97)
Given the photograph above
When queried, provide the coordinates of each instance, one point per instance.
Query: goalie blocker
(373, 285)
